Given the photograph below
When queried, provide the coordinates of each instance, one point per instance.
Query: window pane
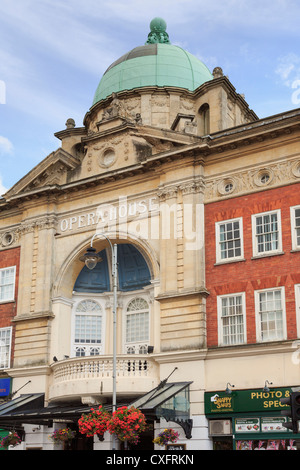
(5, 345)
(267, 234)
(137, 325)
(230, 242)
(271, 315)
(297, 226)
(232, 320)
(7, 283)
(137, 328)
(88, 328)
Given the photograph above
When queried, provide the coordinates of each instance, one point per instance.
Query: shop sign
(246, 425)
(273, 424)
(219, 402)
(4, 387)
(263, 424)
(107, 216)
(255, 400)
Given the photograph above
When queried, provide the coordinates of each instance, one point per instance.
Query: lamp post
(91, 258)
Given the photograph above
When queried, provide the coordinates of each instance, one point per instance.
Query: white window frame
(221, 341)
(230, 259)
(10, 298)
(133, 347)
(6, 348)
(258, 315)
(297, 299)
(101, 346)
(295, 246)
(271, 252)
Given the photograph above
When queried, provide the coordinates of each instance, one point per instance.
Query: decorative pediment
(51, 171)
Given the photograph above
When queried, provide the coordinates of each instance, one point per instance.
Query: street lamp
(91, 258)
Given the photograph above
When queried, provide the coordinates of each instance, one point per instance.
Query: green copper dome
(157, 63)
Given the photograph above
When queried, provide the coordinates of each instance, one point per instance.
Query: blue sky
(53, 54)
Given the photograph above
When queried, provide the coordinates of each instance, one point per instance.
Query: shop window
(231, 319)
(295, 222)
(266, 233)
(88, 329)
(270, 314)
(137, 326)
(5, 347)
(222, 443)
(229, 241)
(268, 444)
(7, 284)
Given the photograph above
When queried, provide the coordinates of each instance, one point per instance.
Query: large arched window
(88, 329)
(137, 326)
(92, 311)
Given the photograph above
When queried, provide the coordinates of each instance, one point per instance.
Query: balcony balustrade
(91, 376)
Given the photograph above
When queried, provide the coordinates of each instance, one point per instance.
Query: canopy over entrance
(170, 401)
(30, 409)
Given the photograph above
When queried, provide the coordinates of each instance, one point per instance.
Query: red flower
(127, 424)
(94, 422)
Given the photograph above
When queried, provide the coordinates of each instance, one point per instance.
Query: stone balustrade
(91, 376)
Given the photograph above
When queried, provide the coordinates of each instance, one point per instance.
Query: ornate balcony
(82, 377)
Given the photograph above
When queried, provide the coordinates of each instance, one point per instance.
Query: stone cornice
(76, 131)
(224, 82)
(249, 180)
(36, 179)
(257, 349)
(167, 357)
(28, 371)
(32, 316)
(240, 351)
(201, 150)
(124, 126)
(202, 291)
(257, 132)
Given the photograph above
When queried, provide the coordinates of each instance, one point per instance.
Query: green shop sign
(245, 401)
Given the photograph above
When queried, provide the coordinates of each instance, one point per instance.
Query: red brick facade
(250, 275)
(8, 310)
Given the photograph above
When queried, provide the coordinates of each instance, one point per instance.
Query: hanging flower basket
(127, 424)
(94, 422)
(62, 435)
(168, 435)
(12, 439)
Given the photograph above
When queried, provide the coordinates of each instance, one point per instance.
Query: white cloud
(288, 69)
(239, 15)
(58, 28)
(6, 147)
(3, 190)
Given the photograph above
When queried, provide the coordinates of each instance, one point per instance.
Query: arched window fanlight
(133, 272)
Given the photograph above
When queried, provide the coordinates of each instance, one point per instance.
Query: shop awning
(29, 409)
(23, 402)
(170, 401)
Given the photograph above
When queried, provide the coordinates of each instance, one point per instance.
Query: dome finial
(158, 32)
